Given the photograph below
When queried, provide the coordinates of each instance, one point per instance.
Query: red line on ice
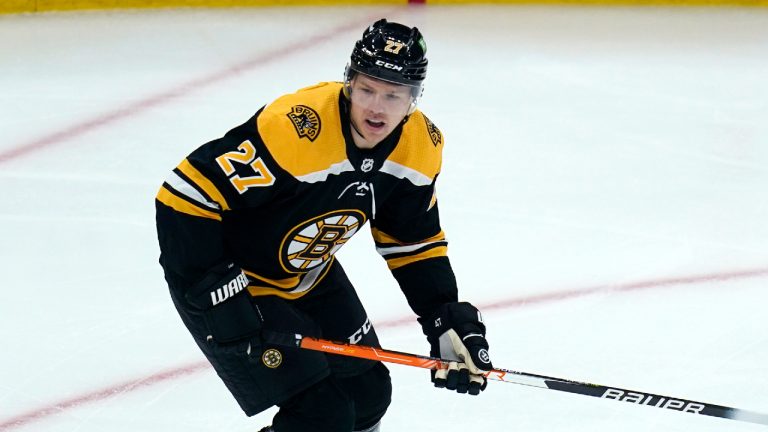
(131, 109)
(103, 394)
(624, 287)
(191, 369)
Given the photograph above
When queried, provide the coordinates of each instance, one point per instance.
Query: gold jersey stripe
(382, 237)
(203, 183)
(439, 251)
(298, 291)
(182, 206)
(286, 283)
(257, 291)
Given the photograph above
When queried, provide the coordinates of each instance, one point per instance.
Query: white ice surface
(586, 148)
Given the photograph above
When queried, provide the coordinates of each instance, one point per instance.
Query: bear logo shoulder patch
(434, 132)
(306, 121)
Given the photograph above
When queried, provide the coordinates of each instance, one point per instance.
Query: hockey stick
(523, 378)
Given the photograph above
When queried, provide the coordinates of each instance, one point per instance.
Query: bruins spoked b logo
(314, 242)
(272, 358)
(306, 121)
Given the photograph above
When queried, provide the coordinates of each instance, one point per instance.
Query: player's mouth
(375, 125)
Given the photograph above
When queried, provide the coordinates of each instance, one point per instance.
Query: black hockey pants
(315, 392)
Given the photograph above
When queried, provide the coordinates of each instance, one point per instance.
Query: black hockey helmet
(391, 52)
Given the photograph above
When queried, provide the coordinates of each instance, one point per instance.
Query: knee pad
(354, 403)
(324, 407)
(371, 393)
(374, 428)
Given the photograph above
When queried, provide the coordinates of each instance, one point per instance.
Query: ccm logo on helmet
(389, 65)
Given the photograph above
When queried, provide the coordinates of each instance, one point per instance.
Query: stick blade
(749, 416)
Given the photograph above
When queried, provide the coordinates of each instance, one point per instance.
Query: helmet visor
(415, 88)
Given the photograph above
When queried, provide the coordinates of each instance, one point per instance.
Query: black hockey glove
(232, 319)
(456, 332)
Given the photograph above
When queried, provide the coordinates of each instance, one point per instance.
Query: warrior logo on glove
(229, 289)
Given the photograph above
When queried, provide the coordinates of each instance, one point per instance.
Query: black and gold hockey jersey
(281, 193)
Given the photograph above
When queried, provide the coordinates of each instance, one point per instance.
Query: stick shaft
(528, 379)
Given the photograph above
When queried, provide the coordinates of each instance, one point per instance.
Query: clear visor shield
(365, 90)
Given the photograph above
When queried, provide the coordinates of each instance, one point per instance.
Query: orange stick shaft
(370, 353)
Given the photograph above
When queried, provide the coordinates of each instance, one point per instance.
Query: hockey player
(248, 225)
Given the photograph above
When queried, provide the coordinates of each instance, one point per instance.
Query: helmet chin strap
(354, 126)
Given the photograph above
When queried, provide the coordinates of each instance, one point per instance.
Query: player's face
(377, 108)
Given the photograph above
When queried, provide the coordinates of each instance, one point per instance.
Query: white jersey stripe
(309, 279)
(403, 172)
(334, 169)
(180, 185)
(389, 250)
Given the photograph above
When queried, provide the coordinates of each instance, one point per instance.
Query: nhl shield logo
(367, 165)
(306, 121)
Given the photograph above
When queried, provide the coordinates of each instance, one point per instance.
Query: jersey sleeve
(217, 178)
(408, 236)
